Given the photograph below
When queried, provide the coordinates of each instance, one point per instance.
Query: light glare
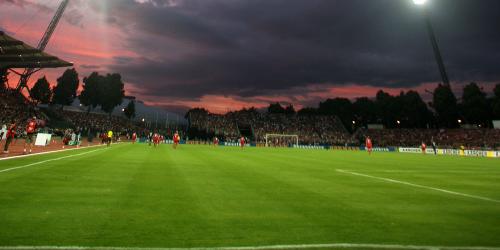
(419, 2)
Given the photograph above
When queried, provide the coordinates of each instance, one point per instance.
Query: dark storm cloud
(252, 47)
(72, 15)
(25, 3)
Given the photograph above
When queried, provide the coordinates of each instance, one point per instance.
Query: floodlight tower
(432, 36)
(23, 80)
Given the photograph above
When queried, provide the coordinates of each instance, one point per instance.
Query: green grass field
(201, 196)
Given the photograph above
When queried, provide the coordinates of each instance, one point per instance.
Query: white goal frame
(281, 136)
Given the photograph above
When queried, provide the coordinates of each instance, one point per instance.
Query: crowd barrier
(345, 148)
(236, 144)
(416, 150)
(457, 152)
(168, 141)
(380, 149)
(309, 147)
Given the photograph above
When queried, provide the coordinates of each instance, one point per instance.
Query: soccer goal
(277, 139)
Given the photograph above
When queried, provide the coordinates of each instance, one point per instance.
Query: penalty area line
(271, 247)
(49, 160)
(419, 186)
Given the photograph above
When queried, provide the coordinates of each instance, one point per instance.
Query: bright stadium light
(123, 110)
(143, 119)
(419, 2)
(459, 121)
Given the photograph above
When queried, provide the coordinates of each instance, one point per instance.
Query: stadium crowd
(329, 130)
(472, 138)
(311, 129)
(86, 122)
(14, 107)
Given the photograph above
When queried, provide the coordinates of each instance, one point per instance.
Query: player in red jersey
(156, 139)
(134, 137)
(176, 139)
(424, 147)
(11, 132)
(369, 145)
(216, 141)
(242, 142)
(30, 132)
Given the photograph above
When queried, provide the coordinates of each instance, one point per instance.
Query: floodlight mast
(23, 80)
(432, 36)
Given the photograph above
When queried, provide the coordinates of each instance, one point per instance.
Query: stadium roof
(16, 54)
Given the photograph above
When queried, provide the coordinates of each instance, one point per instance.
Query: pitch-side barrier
(456, 152)
(441, 151)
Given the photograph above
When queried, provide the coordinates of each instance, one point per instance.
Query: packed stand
(15, 107)
(311, 129)
(444, 138)
(95, 123)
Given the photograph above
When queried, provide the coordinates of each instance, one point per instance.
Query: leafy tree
(3, 79)
(275, 108)
(252, 110)
(247, 111)
(475, 106)
(444, 103)
(308, 111)
(67, 85)
(496, 91)
(90, 94)
(111, 92)
(495, 102)
(413, 110)
(365, 110)
(130, 110)
(341, 107)
(387, 109)
(41, 91)
(195, 111)
(495, 108)
(290, 110)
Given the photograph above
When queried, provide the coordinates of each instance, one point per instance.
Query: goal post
(269, 137)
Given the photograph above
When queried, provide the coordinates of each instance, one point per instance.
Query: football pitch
(136, 196)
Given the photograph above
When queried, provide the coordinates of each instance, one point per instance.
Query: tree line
(104, 91)
(406, 110)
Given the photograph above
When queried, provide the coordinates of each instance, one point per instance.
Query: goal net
(281, 140)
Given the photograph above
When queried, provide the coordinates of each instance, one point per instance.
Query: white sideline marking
(40, 162)
(47, 152)
(432, 171)
(318, 246)
(420, 186)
